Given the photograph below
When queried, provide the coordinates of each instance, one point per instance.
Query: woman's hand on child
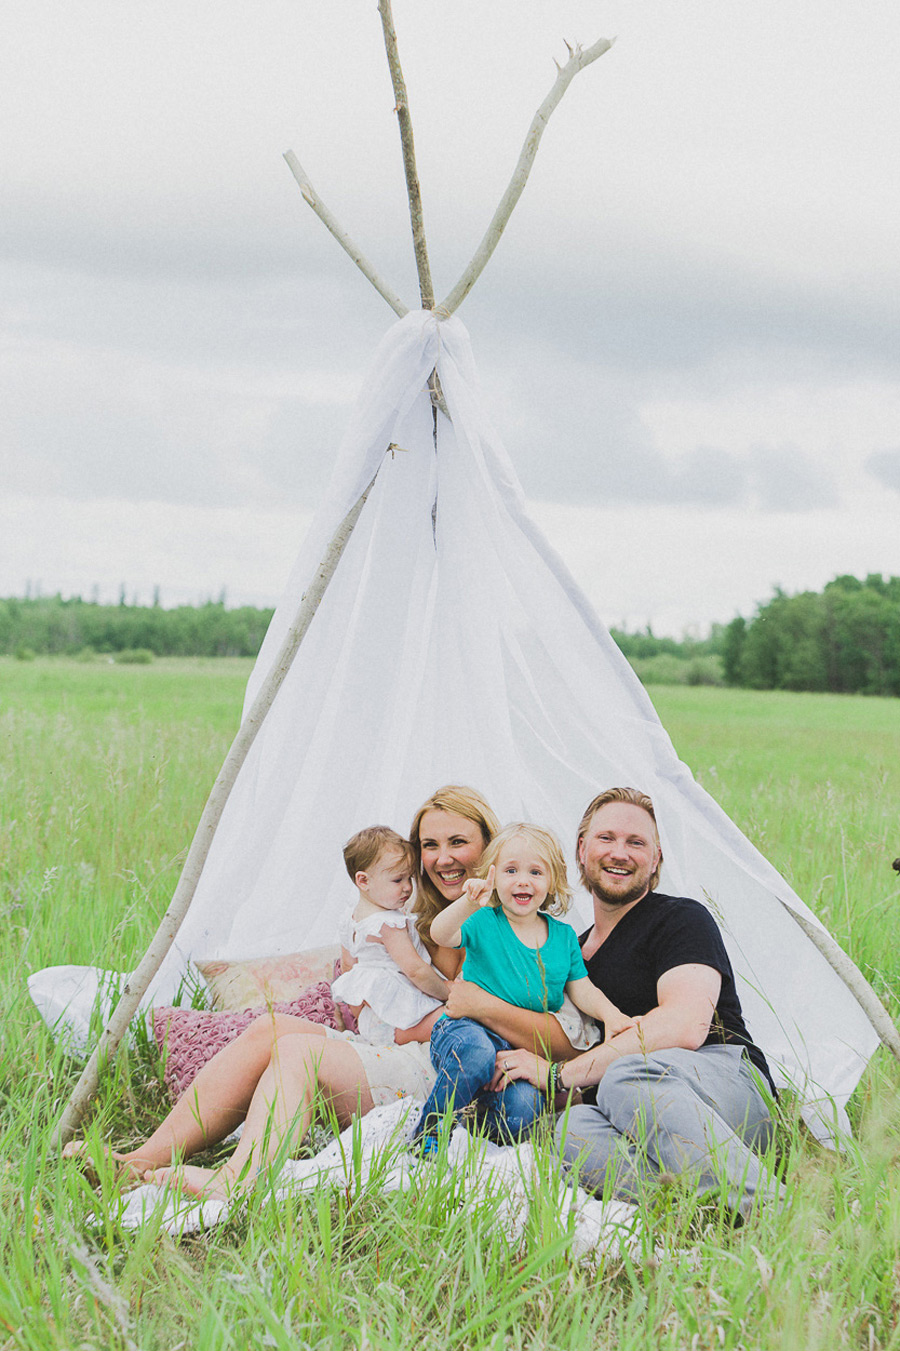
(480, 889)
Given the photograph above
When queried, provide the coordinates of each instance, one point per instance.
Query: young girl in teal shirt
(517, 950)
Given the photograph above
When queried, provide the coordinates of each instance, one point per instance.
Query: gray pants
(698, 1112)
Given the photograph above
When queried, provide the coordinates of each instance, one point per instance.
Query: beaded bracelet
(554, 1082)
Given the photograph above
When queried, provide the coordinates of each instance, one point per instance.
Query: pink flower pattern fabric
(188, 1038)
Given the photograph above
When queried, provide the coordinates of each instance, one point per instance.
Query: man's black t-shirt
(659, 933)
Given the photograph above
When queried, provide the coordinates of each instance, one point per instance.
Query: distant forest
(845, 639)
(51, 626)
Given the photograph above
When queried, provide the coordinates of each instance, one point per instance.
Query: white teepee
(452, 645)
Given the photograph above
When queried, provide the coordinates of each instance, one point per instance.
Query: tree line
(845, 639)
(52, 626)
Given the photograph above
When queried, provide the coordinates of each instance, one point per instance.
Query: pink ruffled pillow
(188, 1038)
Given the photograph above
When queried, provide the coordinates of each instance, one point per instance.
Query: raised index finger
(489, 884)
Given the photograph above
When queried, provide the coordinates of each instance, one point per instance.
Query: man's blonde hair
(634, 798)
(547, 847)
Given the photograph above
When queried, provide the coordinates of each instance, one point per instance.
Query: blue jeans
(464, 1054)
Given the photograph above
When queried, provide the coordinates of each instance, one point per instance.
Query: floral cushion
(263, 981)
(188, 1038)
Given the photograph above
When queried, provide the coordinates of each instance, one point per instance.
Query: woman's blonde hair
(461, 801)
(547, 847)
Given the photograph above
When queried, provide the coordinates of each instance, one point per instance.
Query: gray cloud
(231, 451)
(644, 305)
(708, 477)
(181, 387)
(884, 465)
(620, 464)
(783, 478)
(279, 323)
(657, 312)
(582, 441)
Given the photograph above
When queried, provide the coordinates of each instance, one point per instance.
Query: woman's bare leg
(281, 1109)
(217, 1100)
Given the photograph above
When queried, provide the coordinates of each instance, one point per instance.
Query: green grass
(814, 781)
(103, 776)
(103, 771)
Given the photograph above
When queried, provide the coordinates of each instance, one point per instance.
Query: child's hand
(478, 890)
(619, 1023)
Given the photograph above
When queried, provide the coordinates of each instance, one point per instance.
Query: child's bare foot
(205, 1183)
(421, 1031)
(120, 1165)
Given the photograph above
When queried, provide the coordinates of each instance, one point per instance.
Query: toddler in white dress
(386, 967)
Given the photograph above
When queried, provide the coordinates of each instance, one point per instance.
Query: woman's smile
(451, 847)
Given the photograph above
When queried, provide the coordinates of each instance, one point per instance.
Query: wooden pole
(413, 192)
(854, 980)
(578, 59)
(138, 983)
(312, 198)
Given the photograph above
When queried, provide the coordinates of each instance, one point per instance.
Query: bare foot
(205, 1183)
(120, 1165)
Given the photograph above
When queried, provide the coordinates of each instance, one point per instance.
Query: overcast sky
(689, 330)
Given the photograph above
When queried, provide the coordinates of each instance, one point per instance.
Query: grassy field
(103, 772)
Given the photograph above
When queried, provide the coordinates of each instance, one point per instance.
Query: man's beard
(638, 888)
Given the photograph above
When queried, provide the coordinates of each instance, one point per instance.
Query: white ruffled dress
(376, 981)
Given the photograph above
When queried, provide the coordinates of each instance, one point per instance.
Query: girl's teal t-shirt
(529, 978)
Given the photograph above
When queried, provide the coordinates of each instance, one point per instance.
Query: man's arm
(687, 1001)
(535, 1032)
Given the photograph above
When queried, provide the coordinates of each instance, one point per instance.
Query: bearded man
(684, 1091)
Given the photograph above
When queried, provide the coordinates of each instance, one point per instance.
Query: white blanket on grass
(374, 1153)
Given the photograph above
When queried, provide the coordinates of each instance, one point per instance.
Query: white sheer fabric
(453, 646)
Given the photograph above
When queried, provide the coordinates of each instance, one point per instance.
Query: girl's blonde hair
(461, 801)
(547, 847)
